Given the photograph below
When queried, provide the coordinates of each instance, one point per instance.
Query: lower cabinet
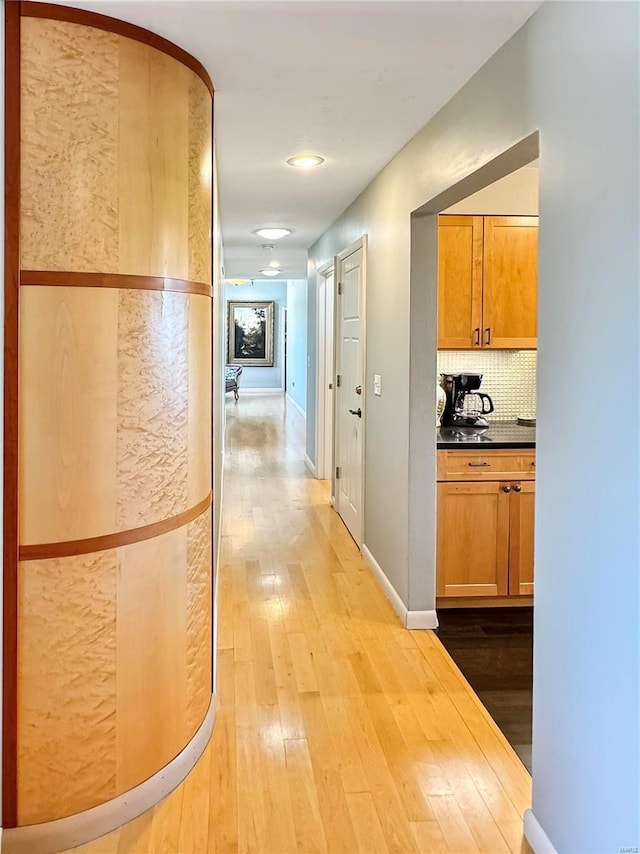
(485, 539)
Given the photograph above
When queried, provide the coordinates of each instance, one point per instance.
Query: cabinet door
(459, 282)
(510, 289)
(473, 539)
(521, 517)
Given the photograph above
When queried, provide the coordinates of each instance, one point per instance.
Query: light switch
(377, 384)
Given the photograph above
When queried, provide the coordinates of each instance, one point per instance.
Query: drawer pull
(479, 465)
(506, 489)
(517, 488)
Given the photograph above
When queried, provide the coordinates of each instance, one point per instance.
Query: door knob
(506, 489)
(517, 488)
(357, 412)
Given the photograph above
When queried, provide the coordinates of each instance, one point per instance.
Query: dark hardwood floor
(493, 647)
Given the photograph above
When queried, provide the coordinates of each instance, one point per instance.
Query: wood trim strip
(121, 28)
(62, 279)
(44, 551)
(62, 834)
(10, 477)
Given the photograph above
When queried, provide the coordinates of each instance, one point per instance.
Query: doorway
(349, 409)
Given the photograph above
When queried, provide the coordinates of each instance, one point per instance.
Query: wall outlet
(377, 384)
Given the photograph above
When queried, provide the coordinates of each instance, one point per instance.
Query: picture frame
(250, 331)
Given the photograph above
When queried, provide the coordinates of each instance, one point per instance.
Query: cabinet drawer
(490, 465)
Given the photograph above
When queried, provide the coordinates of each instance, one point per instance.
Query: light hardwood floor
(338, 730)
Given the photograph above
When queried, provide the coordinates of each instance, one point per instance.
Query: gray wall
(572, 73)
(263, 378)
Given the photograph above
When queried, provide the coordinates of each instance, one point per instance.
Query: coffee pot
(465, 405)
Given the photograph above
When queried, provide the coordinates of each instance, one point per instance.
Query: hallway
(337, 729)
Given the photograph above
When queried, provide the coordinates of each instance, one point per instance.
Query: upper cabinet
(487, 282)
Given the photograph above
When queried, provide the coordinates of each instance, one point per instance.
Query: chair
(232, 378)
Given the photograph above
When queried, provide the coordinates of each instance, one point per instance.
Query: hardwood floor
(338, 730)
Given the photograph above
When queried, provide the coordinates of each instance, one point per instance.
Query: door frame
(324, 365)
(360, 243)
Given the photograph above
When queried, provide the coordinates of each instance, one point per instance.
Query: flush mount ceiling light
(305, 161)
(237, 282)
(270, 271)
(273, 233)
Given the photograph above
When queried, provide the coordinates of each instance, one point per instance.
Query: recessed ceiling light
(305, 161)
(269, 271)
(273, 233)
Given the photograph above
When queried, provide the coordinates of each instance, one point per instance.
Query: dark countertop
(500, 434)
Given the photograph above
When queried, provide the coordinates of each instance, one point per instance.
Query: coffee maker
(460, 409)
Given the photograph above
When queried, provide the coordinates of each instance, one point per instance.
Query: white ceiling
(352, 81)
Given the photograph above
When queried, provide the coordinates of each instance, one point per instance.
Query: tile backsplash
(509, 376)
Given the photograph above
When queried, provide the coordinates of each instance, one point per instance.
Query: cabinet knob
(506, 489)
(517, 488)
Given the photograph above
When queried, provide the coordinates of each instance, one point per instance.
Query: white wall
(570, 73)
(267, 378)
(297, 341)
(514, 195)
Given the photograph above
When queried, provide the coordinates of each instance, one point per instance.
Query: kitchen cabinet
(459, 282)
(485, 527)
(487, 282)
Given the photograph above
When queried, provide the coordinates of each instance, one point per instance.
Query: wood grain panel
(199, 621)
(153, 162)
(68, 394)
(511, 281)
(521, 540)
(66, 278)
(55, 12)
(152, 433)
(10, 413)
(67, 686)
(473, 539)
(200, 177)
(151, 645)
(69, 147)
(459, 282)
(200, 393)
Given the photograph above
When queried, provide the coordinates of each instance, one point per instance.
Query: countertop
(500, 434)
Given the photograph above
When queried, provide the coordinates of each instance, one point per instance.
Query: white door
(349, 398)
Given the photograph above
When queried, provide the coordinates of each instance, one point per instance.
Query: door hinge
(339, 288)
(337, 472)
(338, 380)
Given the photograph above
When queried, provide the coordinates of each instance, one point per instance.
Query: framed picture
(250, 333)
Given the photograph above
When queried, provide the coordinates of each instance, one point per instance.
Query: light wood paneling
(511, 281)
(153, 162)
(199, 620)
(68, 393)
(473, 539)
(200, 177)
(521, 523)
(67, 685)
(459, 282)
(291, 567)
(487, 465)
(152, 433)
(69, 143)
(199, 403)
(151, 643)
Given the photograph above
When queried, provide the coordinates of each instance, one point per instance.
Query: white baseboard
(295, 405)
(535, 835)
(242, 390)
(410, 619)
(387, 587)
(422, 620)
(310, 465)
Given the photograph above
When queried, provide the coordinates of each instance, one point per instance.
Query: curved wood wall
(108, 611)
